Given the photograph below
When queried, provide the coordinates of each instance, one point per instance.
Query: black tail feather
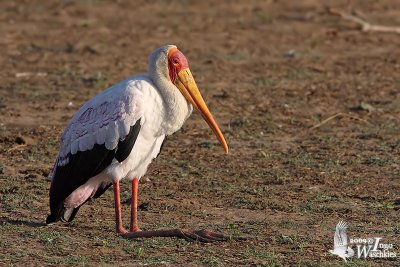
(55, 214)
(69, 214)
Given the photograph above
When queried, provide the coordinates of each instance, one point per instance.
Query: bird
(340, 244)
(117, 134)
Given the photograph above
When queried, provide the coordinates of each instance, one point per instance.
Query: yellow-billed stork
(117, 134)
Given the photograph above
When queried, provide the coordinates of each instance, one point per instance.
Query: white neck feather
(176, 108)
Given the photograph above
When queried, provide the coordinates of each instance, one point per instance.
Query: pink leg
(199, 235)
(117, 205)
(134, 206)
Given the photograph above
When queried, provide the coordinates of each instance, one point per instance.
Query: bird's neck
(176, 108)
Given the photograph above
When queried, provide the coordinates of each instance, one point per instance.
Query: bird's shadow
(22, 222)
(36, 224)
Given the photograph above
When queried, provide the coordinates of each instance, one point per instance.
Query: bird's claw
(205, 236)
(121, 230)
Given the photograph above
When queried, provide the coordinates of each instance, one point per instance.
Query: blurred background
(308, 101)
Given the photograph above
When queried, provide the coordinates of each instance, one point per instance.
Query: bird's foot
(135, 229)
(121, 230)
(203, 236)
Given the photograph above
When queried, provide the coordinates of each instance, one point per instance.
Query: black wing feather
(81, 167)
(125, 146)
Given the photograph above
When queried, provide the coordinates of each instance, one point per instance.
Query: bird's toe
(121, 230)
(205, 236)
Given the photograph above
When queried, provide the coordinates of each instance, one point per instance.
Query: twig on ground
(365, 26)
(340, 114)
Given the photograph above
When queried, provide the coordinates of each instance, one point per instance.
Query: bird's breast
(135, 166)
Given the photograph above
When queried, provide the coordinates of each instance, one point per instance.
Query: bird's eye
(176, 61)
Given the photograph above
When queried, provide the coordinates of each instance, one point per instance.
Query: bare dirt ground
(269, 70)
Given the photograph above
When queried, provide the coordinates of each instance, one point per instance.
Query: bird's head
(181, 76)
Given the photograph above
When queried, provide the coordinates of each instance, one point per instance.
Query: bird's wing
(340, 238)
(105, 128)
(105, 119)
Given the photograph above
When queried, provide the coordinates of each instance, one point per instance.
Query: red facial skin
(176, 62)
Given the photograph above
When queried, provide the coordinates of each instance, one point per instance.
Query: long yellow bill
(187, 85)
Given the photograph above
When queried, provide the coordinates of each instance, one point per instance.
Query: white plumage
(341, 245)
(117, 134)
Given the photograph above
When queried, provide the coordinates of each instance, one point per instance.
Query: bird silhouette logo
(341, 245)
